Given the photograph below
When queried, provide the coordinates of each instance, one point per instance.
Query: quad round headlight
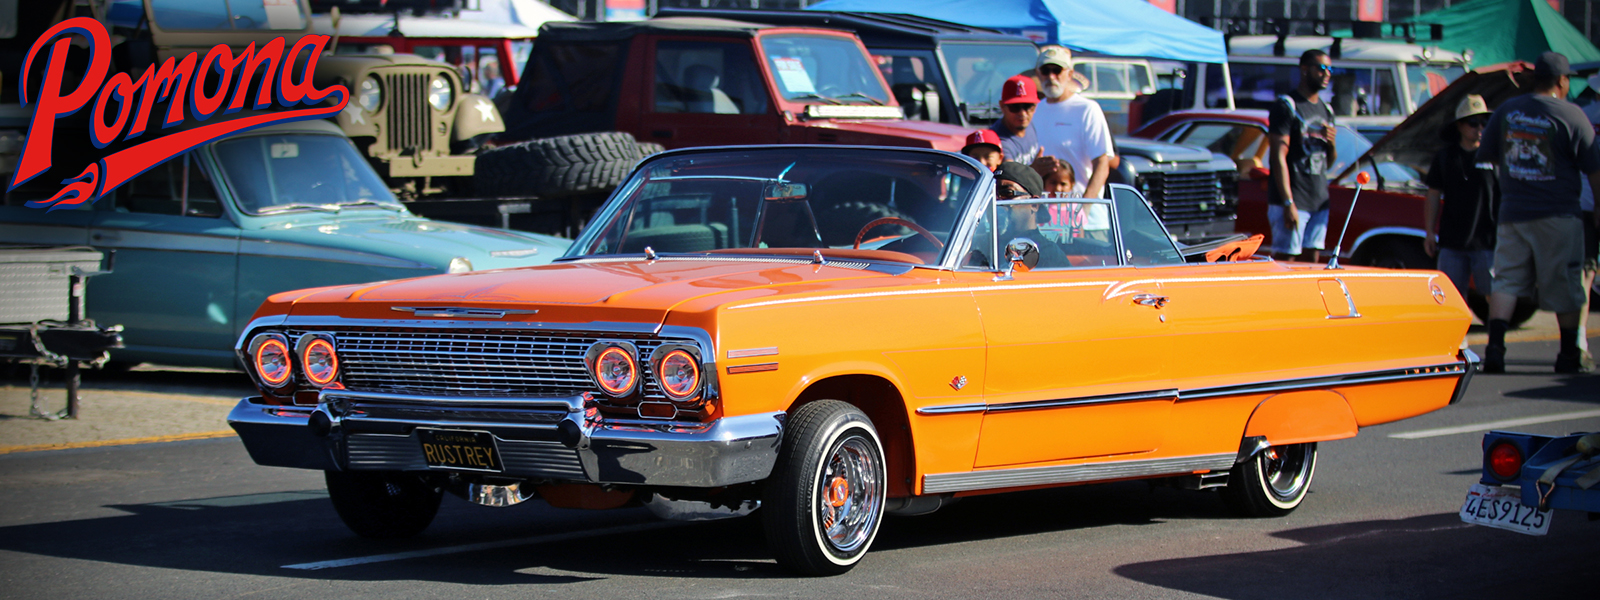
(369, 94)
(440, 92)
(615, 370)
(678, 374)
(318, 360)
(269, 355)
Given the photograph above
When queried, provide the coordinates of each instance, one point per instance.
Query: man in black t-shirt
(1542, 146)
(1301, 132)
(1470, 198)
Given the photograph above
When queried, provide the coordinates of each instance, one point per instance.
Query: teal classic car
(204, 238)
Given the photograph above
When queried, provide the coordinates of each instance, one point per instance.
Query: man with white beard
(1070, 127)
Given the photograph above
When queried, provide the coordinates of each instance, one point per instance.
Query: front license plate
(460, 450)
(1502, 507)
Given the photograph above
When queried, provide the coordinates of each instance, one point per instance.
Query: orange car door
(1075, 361)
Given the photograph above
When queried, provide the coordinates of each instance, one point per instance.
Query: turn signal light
(1505, 461)
(616, 371)
(270, 354)
(318, 360)
(679, 375)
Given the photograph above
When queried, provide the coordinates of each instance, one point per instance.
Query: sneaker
(1574, 362)
(1494, 359)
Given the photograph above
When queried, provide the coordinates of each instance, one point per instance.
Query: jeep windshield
(980, 69)
(821, 69)
(300, 172)
(868, 204)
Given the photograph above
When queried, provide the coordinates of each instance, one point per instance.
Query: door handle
(106, 236)
(1151, 300)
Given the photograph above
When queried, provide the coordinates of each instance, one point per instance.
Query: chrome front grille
(475, 362)
(1186, 197)
(409, 112)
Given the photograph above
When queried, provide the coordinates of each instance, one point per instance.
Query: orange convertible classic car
(833, 333)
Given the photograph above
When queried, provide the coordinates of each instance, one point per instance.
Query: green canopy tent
(1500, 31)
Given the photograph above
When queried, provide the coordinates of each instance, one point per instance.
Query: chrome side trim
(939, 483)
(1284, 385)
(1084, 401)
(1463, 369)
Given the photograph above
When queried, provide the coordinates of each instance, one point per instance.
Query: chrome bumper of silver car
(559, 439)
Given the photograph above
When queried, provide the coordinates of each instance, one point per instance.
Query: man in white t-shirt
(1070, 127)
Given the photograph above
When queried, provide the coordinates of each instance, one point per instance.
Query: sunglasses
(1020, 107)
(1051, 70)
(1324, 68)
(1479, 122)
(1008, 193)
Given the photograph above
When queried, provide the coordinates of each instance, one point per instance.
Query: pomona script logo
(122, 105)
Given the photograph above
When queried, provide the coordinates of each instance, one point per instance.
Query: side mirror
(1023, 255)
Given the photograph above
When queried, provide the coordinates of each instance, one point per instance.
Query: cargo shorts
(1544, 256)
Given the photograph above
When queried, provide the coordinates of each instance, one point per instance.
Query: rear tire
(1272, 483)
(383, 505)
(823, 504)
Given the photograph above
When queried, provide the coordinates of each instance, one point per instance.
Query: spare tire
(650, 149)
(557, 166)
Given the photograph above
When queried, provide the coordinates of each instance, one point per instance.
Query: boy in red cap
(984, 145)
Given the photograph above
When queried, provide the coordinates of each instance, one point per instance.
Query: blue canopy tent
(1119, 28)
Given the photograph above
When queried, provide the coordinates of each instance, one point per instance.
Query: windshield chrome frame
(961, 228)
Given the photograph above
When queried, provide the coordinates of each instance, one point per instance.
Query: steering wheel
(898, 221)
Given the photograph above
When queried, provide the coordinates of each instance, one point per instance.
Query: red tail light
(1505, 461)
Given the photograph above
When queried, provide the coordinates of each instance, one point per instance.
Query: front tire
(823, 504)
(383, 505)
(1272, 483)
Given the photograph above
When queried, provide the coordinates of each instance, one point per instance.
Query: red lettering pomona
(176, 81)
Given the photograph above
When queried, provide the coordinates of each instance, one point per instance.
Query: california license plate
(1502, 507)
(460, 450)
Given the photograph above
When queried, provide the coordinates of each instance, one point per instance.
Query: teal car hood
(407, 238)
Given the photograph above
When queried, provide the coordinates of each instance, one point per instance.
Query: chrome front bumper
(559, 439)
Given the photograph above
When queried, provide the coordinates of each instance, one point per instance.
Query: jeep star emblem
(959, 382)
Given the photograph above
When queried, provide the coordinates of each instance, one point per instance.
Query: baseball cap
(982, 137)
(1023, 175)
(1473, 104)
(1552, 64)
(1054, 55)
(1019, 90)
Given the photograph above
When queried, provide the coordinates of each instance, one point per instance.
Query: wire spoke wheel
(1273, 482)
(824, 502)
(849, 495)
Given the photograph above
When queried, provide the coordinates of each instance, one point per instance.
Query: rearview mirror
(785, 192)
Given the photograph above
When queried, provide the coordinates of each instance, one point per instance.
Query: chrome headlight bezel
(603, 349)
(322, 373)
(441, 92)
(658, 358)
(261, 344)
(369, 94)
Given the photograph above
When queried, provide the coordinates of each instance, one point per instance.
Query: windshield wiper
(817, 97)
(377, 203)
(298, 206)
(874, 101)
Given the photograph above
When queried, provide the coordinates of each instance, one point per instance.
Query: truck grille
(483, 363)
(409, 112)
(1192, 197)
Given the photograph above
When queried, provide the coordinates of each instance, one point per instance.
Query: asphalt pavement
(197, 518)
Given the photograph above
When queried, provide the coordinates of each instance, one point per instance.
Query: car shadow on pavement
(1579, 388)
(261, 539)
(1431, 556)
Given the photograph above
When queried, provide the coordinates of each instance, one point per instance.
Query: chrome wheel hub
(849, 495)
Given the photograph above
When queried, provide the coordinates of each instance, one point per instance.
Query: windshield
(1427, 81)
(823, 69)
(981, 69)
(876, 204)
(305, 171)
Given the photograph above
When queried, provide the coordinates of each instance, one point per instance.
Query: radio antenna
(1362, 179)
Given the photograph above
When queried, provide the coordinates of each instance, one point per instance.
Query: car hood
(1416, 139)
(938, 135)
(422, 241)
(632, 290)
(1160, 152)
